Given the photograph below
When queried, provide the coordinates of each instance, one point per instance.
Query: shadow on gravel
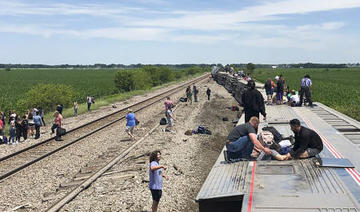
(211, 116)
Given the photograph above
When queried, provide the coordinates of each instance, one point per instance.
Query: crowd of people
(28, 125)
(243, 141)
(21, 126)
(283, 94)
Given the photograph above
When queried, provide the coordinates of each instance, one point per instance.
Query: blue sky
(174, 32)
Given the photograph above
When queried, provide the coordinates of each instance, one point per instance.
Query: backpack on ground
(277, 135)
(203, 130)
(163, 121)
(183, 99)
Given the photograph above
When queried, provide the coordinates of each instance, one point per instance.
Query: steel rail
(24, 165)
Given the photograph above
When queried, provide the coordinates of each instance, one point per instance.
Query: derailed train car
(329, 182)
(231, 84)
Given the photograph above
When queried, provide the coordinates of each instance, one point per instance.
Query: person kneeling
(241, 141)
(307, 142)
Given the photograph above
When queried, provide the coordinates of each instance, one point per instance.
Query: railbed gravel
(31, 185)
(193, 157)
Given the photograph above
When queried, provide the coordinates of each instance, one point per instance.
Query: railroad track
(19, 160)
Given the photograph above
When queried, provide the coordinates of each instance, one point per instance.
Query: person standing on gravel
(155, 178)
(38, 124)
(58, 118)
(196, 91)
(130, 124)
(189, 94)
(168, 104)
(89, 100)
(75, 108)
(208, 93)
(170, 119)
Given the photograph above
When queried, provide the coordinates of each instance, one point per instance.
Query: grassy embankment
(96, 82)
(336, 88)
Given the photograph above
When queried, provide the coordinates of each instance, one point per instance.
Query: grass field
(336, 88)
(15, 83)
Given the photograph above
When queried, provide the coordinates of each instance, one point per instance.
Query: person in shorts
(170, 120)
(307, 142)
(155, 178)
(130, 124)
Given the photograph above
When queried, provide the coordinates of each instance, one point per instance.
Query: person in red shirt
(57, 123)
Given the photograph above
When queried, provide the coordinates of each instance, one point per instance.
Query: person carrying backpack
(57, 124)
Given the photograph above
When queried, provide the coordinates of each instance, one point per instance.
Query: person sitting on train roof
(294, 99)
(241, 140)
(307, 142)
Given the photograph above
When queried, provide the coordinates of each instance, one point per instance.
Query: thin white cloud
(13, 8)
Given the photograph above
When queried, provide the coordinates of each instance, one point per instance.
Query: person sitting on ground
(130, 124)
(241, 140)
(294, 99)
(307, 142)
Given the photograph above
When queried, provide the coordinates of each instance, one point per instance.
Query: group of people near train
(283, 94)
(243, 140)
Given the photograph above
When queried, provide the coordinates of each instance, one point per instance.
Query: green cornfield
(15, 83)
(336, 88)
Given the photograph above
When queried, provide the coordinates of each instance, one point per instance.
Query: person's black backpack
(25, 124)
(163, 121)
(183, 99)
(277, 135)
(203, 130)
(61, 131)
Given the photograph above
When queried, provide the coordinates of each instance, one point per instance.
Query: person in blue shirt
(130, 124)
(38, 122)
(155, 178)
(305, 88)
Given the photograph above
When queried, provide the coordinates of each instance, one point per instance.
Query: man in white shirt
(294, 99)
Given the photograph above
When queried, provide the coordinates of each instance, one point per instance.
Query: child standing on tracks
(155, 178)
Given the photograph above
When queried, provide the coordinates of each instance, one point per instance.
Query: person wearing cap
(305, 88)
(307, 142)
(252, 102)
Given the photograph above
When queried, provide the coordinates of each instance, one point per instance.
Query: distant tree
(250, 67)
(124, 80)
(47, 96)
(7, 69)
